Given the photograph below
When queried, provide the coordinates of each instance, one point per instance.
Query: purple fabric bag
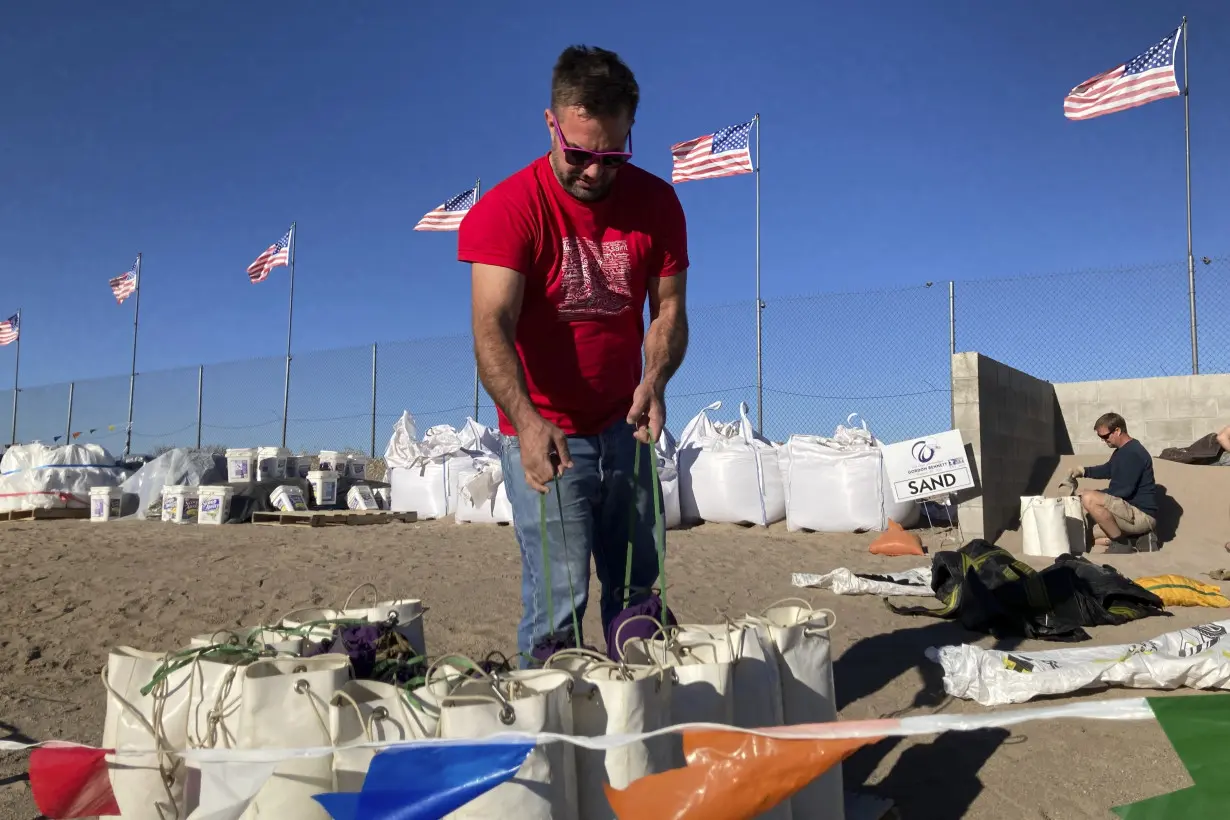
(639, 628)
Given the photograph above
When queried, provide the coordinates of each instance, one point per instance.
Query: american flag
(9, 330)
(125, 284)
(1142, 79)
(720, 154)
(276, 254)
(448, 216)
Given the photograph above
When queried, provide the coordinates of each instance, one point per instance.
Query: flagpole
(16, 379)
(1191, 260)
(290, 323)
(477, 192)
(132, 375)
(759, 303)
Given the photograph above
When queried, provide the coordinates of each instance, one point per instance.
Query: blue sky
(900, 146)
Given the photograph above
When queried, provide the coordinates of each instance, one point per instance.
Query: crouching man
(1126, 511)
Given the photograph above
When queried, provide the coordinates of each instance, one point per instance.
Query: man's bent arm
(666, 341)
(496, 295)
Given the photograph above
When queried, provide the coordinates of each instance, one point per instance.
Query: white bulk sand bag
(728, 473)
(1051, 527)
(838, 483)
(666, 452)
(482, 497)
(423, 475)
(38, 477)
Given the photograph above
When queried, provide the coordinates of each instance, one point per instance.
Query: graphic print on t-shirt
(594, 279)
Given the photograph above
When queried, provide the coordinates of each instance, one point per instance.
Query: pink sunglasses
(583, 158)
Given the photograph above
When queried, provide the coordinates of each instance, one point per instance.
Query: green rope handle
(659, 524)
(546, 561)
(178, 660)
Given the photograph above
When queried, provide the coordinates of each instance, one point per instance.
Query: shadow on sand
(937, 779)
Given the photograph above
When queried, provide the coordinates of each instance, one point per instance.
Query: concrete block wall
(1009, 420)
(1168, 411)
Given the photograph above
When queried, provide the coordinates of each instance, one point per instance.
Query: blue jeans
(596, 498)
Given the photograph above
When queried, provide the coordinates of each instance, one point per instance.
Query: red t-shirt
(586, 266)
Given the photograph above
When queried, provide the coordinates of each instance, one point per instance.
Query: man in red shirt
(563, 255)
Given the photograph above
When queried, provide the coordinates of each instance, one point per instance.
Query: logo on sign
(923, 452)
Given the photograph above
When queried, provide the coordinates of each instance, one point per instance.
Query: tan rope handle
(338, 697)
(436, 665)
(806, 604)
(355, 591)
(576, 652)
(661, 630)
(831, 621)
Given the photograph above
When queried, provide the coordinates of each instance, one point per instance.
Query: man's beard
(570, 179)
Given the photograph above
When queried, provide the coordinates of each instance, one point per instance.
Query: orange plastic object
(896, 541)
(730, 776)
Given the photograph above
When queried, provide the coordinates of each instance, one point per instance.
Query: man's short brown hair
(1111, 421)
(595, 80)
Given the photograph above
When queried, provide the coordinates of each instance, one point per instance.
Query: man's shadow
(951, 762)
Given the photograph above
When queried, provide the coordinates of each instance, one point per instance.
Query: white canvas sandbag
(532, 701)
(364, 711)
(482, 497)
(284, 704)
(756, 678)
(756, 683)
(187, 705)
(263, 639)
(405, 615)
(805, 653)
(703, 666)
(1044, 526)
(613, 698)
(728, 473)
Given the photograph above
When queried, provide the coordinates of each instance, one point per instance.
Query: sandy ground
(72, 590)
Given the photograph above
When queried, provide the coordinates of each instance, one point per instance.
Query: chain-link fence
(883, 355)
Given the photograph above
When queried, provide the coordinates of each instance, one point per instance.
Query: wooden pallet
(329, 518)
(56, 514)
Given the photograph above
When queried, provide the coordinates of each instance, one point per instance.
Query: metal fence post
(372, 453)
(68, 423)
(952, 349)
(200, 393)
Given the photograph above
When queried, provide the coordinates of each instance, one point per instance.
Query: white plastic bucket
(356, 466)
(292, 466)
(332, 460)
(271, 463)
(324, 487)
(105, 503)
(303, 466)
(215, 505)
(383, 497)
(179, 504)
(241, 464)
(288, 498)
(360, 497)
